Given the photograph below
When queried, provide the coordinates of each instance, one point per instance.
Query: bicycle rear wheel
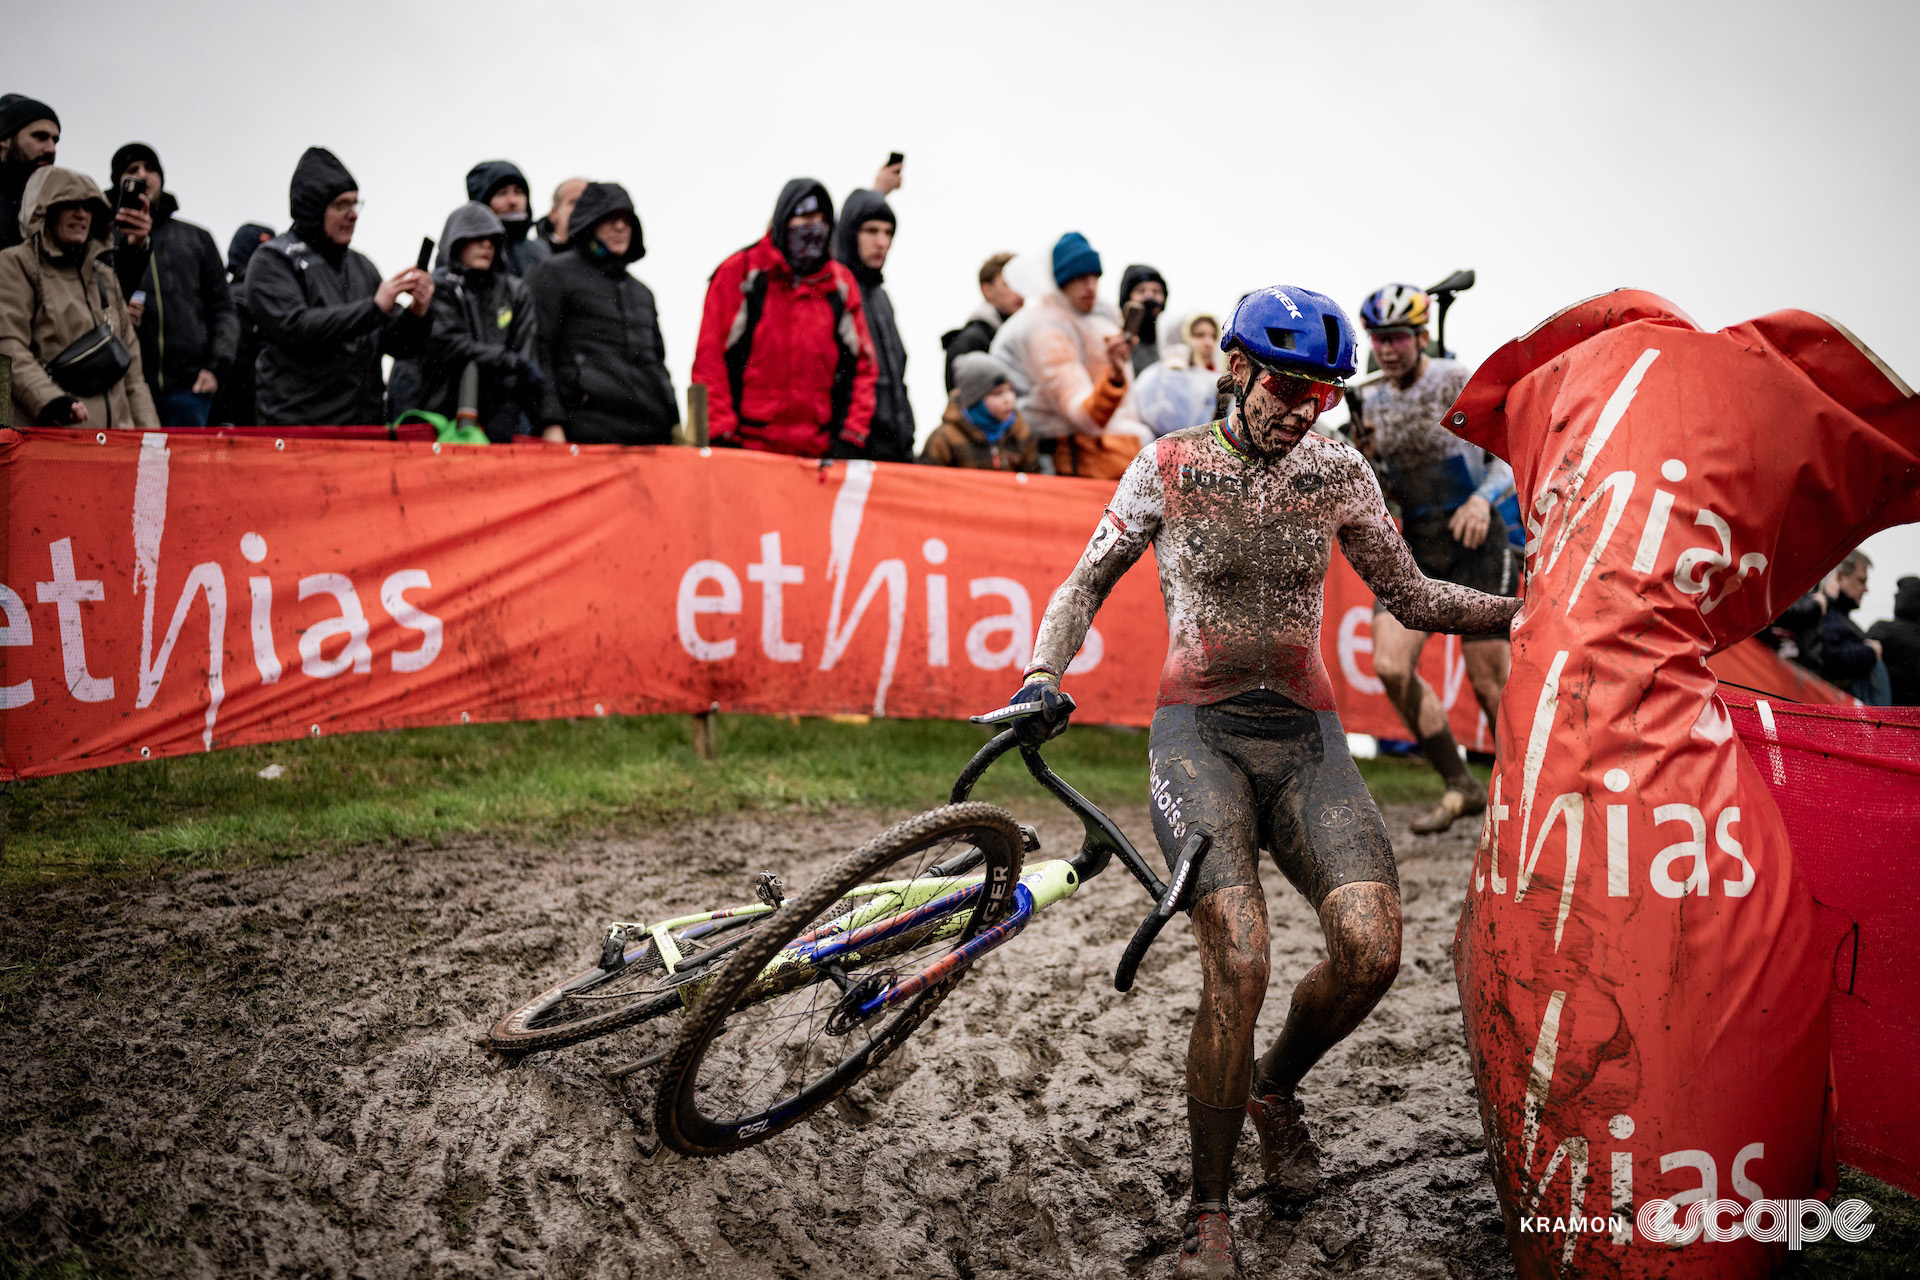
(776, 1035)
(596, 1001)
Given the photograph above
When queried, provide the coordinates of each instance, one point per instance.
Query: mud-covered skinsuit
(1432, 473)
(1245, 742)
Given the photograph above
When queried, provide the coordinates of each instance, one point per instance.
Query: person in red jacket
(784, 352)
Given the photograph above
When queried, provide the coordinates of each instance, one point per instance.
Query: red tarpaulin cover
(1644, 982)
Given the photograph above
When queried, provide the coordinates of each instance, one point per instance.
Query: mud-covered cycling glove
(1055, 706)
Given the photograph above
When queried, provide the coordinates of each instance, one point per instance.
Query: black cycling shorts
(1492, 567)
(1273, 777)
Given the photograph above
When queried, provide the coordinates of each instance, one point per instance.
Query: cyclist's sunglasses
(1291, 388)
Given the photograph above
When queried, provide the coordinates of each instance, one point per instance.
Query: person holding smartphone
(189, 332)
(324, 314)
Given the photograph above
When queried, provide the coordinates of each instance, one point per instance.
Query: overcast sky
(1734, 158)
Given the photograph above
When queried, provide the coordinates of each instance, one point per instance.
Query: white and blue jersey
(1429, 470)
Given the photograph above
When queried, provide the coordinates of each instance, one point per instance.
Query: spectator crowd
(116, 312)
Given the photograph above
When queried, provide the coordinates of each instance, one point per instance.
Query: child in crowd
(982, 426)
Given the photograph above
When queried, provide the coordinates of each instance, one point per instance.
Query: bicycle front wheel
(779, 1032)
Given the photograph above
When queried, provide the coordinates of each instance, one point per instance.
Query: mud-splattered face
(1270, 425)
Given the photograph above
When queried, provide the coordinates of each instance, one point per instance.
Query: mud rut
(275, 1072)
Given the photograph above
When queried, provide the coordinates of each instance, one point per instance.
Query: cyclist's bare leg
(1488, 662)
(1396, 658)
(1230, 926)
(1362, 926)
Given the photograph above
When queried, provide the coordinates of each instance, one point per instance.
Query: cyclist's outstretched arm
(1380, 556)
(1125, 531)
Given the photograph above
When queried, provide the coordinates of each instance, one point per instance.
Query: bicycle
(860, 959)
(831, 984)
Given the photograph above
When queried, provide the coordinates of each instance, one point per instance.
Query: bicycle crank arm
(1171, 901)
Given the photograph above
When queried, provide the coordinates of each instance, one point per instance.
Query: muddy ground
(274, 1072)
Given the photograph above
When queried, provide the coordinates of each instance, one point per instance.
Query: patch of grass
(1892, 1252)
(541, 779)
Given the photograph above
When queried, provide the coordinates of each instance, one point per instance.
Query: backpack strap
(844, 368)
(753, 302)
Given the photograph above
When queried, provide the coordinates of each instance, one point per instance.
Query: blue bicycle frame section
(956, 961)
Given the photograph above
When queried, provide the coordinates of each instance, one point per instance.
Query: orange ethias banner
(167, 594)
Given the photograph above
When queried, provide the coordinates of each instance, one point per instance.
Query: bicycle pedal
(769, 888)
(1029, 838)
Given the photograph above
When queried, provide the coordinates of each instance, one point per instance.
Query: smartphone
(1135, 323)
(894, 158)
(425, 260)
(129, 194)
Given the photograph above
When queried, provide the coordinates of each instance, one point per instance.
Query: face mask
(807, 247)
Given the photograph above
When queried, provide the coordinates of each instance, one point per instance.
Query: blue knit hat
(1073, 257)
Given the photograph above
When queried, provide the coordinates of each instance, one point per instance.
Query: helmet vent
(1282, 339)
(1333, 339)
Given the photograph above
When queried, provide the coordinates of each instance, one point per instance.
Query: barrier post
(697, 414)
(706, 743)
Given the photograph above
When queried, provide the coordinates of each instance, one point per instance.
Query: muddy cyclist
(1242, 515)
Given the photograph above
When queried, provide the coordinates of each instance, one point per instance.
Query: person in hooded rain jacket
(1181, 388)
(982, 426)
(501, 186)
(55, 289)
(862, 238)
(784, 351)
(233, 402)
(189, 333)
(324, 314)
(598, 332)
(483, 315)
(1899, 641)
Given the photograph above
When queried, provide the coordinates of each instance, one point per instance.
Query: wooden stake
(697, 414)
(706, 743)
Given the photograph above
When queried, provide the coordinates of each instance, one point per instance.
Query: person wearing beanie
(1071, 366)
(1899, 641)
(982, 427)
(325, 315)
(599, 331)
(1142, 284)
(189, 332)
(784, 351)
(861, 241)
(499, 185)
(56, 291)
(29, 140)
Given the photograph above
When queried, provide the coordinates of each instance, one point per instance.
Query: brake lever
(1174, 899)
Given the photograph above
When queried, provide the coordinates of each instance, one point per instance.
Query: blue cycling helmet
(1293, 330)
